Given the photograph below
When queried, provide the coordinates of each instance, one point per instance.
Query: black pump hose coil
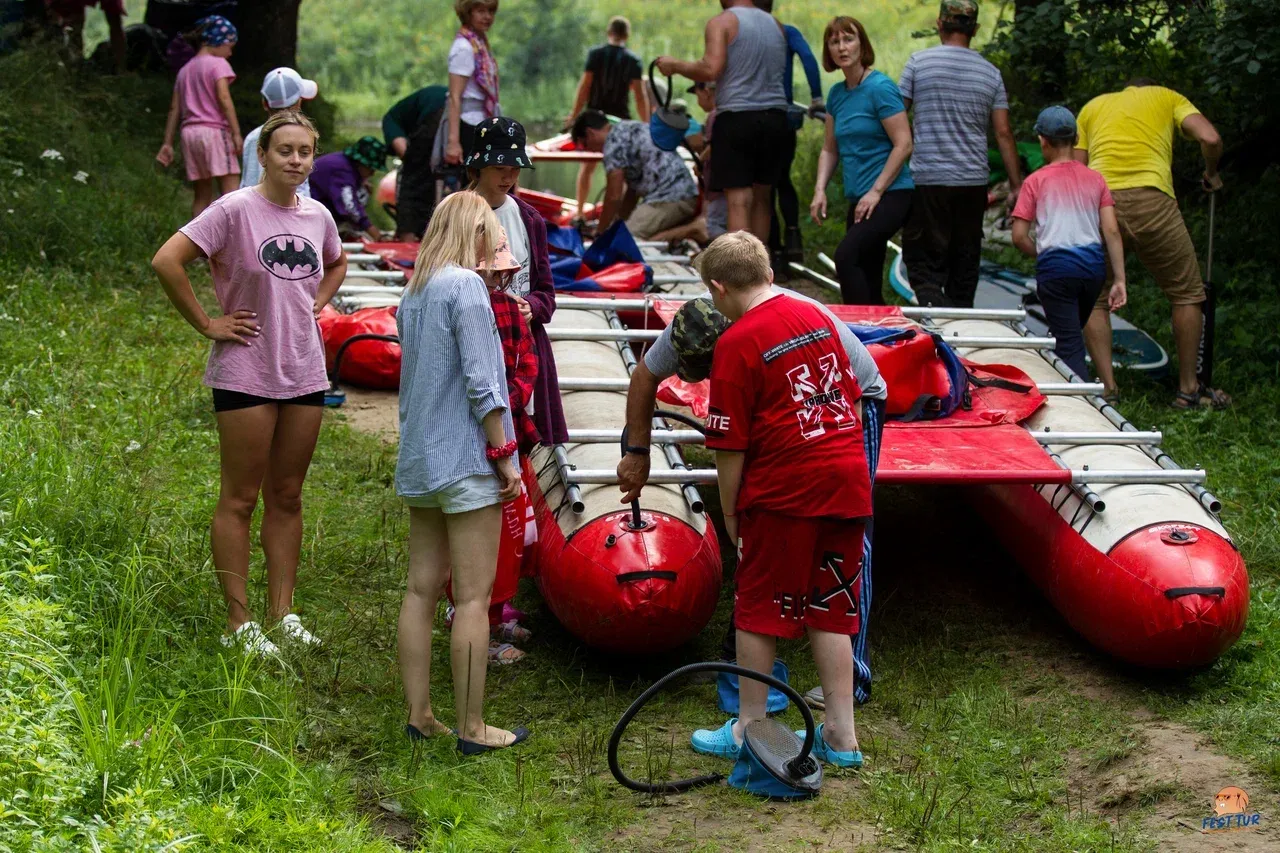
(681, 785)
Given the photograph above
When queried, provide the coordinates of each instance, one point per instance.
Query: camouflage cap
(694, 332)
(952, 10)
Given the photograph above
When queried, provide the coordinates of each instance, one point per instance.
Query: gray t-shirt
(661, 356)
(953, 91)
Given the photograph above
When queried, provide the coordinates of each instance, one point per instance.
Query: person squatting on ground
(276, 261)
(685, 349)
(473, 81)
(282, 89)
(868, 134)
(650, 188)
(784, 207)
(745, 55)
(1128, 137)
(784, 421)
(1073, 214)
(340, 182)
(458, 463)
(409, 129)
(211, 141)
(520, 363)
(954, 94)
(611, 74)
(494, 167)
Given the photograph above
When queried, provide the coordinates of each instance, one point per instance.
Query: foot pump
(772, 763)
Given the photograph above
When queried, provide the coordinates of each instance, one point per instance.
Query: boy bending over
(785, 422)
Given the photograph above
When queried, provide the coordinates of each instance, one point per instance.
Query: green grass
(124, 725)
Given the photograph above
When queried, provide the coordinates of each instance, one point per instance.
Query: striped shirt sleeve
(477, 336)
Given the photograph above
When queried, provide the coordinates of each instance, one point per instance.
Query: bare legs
(585, 170)
(835, 672)
(1188, 320)
(469, 542)
(271, 443)
(749, 209)
(202, 189)
(1097, 340)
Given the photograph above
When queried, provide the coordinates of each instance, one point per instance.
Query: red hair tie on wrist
(496, 453)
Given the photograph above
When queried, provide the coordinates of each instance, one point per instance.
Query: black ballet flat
(468, 747)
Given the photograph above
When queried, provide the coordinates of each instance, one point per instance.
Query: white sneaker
(251, 640)
(291, 627)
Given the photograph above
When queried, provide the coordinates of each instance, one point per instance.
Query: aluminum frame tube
(658, 436)
(604, 476)
(677, 279)
(1208, 500)
(377, 275)
(353, 247)
(1091, 498)
(1070, 389)
(571, 489)
(1082, 439)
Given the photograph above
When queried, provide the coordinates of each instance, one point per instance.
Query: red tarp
(981, 445)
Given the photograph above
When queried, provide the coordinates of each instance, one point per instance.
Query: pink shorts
(208, 152)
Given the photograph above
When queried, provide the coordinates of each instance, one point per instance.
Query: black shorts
(230, 401)
(748, 148)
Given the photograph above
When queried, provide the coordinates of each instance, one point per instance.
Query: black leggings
(860, 255)
(785, 199)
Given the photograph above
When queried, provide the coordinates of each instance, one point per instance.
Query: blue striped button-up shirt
(451, 376)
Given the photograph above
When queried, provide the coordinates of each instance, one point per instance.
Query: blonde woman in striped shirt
(457, 463)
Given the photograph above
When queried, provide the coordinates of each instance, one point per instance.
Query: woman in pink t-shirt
(211, 141)
(276, 260)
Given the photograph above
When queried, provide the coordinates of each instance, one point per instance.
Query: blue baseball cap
(1056, 123)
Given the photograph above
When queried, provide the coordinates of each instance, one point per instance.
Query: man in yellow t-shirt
(1128, 137)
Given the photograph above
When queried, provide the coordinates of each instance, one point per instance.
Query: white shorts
(469, 493)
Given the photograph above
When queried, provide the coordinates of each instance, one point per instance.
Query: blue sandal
(826, 754)
(719, 742)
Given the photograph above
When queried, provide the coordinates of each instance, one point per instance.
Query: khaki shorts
(1151, 225)
(649, 219)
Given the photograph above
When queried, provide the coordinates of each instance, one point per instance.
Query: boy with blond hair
(785, 422)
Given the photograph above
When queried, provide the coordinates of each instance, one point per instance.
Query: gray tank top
(753, 68)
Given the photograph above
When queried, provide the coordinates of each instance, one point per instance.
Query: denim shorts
(474, 492)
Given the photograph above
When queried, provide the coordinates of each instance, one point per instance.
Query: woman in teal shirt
(868, 134)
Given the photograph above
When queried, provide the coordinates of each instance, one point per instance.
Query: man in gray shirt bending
(685, 349)
(746, 57)
(956, 93)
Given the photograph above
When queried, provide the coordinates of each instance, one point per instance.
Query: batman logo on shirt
(289, 256)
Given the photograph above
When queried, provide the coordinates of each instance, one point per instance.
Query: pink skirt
(208, 152)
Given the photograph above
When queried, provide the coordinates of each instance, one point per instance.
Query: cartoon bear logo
(1231, 800)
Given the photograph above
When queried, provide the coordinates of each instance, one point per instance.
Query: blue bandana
(216, 30)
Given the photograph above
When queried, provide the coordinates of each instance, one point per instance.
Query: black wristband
(643, 451)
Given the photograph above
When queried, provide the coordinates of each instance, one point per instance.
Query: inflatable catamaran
(1122, 540)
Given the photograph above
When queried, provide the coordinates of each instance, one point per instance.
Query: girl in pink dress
(211, 141)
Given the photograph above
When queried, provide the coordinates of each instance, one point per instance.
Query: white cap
(284, 87)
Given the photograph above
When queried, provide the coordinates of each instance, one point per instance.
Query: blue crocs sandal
(826, 754)
(718, 742)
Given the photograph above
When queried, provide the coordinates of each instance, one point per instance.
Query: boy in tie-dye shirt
(1074, 217)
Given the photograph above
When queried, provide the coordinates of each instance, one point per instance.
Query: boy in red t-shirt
(785, 422)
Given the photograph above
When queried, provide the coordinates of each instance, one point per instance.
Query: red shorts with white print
(797, 573)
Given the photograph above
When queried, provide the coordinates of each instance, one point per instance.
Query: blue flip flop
(824, 753)
(718, 742)
(470, 747)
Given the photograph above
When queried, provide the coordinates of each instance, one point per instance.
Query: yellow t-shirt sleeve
(1181, 109)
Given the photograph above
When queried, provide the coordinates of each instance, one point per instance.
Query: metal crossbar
(1179, 476)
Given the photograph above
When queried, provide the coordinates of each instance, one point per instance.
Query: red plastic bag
(369, 364)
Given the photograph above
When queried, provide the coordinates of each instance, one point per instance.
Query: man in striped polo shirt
(955, 93)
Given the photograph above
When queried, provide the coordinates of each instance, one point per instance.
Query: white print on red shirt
(718, 423)
(815, 403)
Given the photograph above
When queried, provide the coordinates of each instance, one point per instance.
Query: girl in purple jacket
(497, 157)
